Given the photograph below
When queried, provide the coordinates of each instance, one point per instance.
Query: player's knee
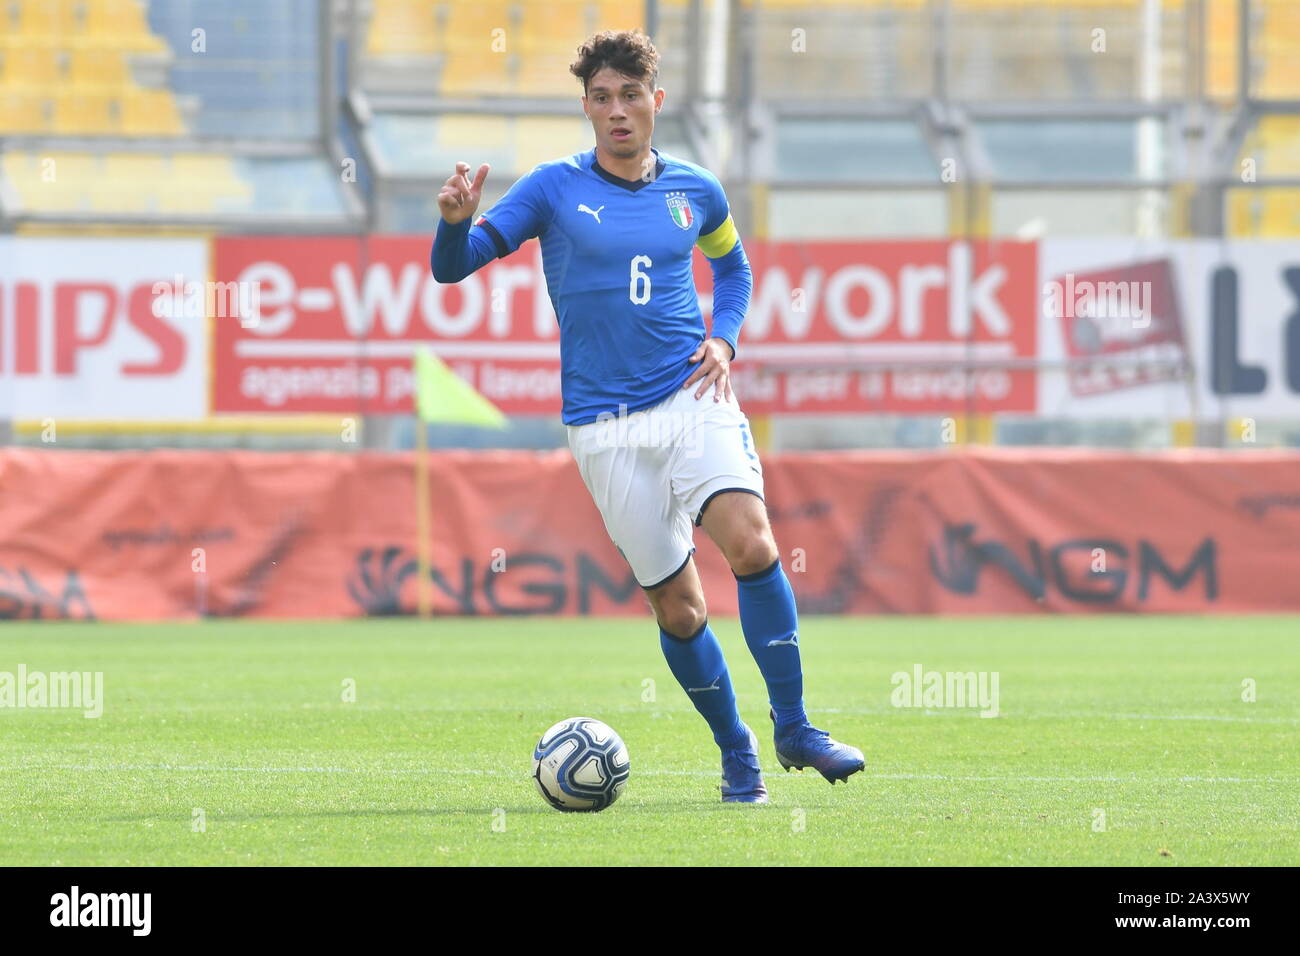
(683, 620)
(753, 553)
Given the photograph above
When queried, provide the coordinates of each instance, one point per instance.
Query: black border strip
(503, 249)
(687, 640)
(699, 517)
(631, 185)
(757, 574)
(680, 568)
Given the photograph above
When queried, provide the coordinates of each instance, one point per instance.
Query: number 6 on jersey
(639, 296)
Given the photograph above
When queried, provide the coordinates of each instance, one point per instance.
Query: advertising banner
(102, 329)
(174, 534)
(1181, 329)
(341, 318)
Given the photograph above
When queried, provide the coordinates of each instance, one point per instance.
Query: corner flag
(443, 396)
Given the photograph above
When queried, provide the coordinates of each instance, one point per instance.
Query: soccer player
(617, 225)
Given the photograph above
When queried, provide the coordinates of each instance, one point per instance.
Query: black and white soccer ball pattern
(580, 764)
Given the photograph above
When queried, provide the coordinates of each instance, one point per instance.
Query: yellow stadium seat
(471, 25)
(32, 66)
(551, 35)
(136, 167)
(616, 15)
(48, 182)
(475, 70)
(53, 18)
(1274, 144)
(546, 73)
(562, 22)
(212, 174)
(383, 43)
(74, 171)
(150, 113)
(181, 183)
(124, 182)
(1221, 48)
(1280, 78)
(54, 197)
(121, 195)
(102, 68)
(1264, 213)
(124, 21)
(89, 112)
(404, 27)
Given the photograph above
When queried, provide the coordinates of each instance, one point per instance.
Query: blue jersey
(617, 258)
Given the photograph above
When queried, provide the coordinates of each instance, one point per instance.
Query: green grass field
(1141, 719)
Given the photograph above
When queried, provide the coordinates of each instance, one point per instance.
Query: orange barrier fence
(177, 534)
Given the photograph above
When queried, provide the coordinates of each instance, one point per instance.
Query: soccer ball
(580, 764)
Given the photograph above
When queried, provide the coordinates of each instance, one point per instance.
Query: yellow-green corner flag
(443, 396)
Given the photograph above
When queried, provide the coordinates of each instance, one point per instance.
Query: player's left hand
(714, 356)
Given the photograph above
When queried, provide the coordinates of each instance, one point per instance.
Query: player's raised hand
(458, 198)
(714, 356)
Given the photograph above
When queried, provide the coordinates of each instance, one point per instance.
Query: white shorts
(652, 472)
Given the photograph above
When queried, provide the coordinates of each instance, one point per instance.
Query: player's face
(622, 112)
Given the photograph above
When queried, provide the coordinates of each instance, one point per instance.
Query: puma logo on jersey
(793, 641)
(595, 213)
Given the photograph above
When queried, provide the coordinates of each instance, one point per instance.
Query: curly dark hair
(629, 52)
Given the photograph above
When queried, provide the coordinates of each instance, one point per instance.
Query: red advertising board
(839, 318)
(176, 534)
(341, 317)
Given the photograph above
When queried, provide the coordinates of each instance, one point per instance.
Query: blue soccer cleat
(742, 781)
(803, 745)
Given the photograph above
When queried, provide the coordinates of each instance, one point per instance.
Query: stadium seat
(469, 24)
(105, 195)
(122, 24)
(123, 183)
(1221, 49)
(1274, 144)
(473, 68)
(542, 69)
(78, 112)
(150, 113)
(31, 166)
(63, 191)
(135, 167)
(1264, 213)
(385, 43)
(101, 68)
(1276, 41)
(404, 28)
(44, 18)
(613, 15)
(32, 66)
(561, 23)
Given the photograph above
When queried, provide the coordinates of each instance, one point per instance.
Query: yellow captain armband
(721, 240)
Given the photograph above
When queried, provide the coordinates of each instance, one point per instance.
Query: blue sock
(700, 668)
(771, 625)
